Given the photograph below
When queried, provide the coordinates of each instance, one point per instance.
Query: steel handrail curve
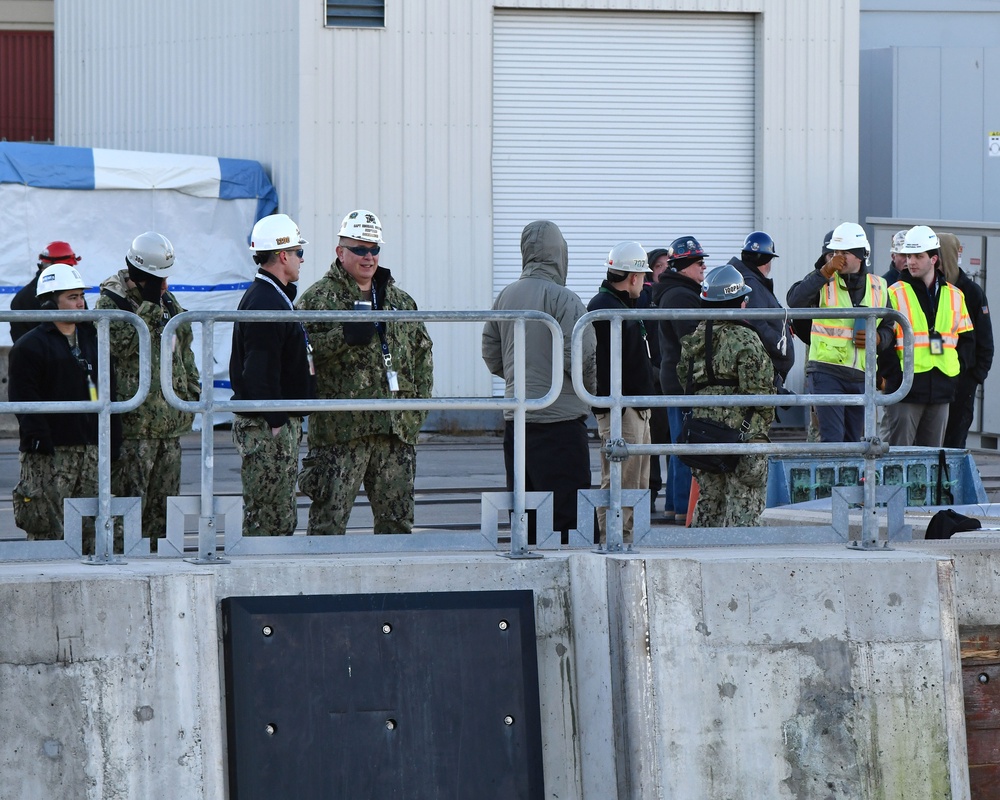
(616, 399)
(104, 353)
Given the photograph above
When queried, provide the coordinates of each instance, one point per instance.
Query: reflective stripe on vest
(832, 340)
(950, 320)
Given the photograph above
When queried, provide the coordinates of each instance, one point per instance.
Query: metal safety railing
(71, 546)
(208, 405)
(871, 447)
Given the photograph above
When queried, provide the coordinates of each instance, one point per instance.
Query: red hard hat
(59, 253)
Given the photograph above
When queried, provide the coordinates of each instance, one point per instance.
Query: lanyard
(309, 350)
(380, 327)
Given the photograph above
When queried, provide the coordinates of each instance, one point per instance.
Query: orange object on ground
(692, 500)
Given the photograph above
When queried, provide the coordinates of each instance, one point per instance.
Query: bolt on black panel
(417, 695)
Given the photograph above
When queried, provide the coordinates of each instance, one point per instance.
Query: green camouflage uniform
(150, 462)
(269, 467)
(377, 447)
(45, 480)
(734, 499)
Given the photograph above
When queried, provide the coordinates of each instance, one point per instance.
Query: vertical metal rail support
(207, 528)
(104, 528)
(869, 516)
(614, 523)
(519, 517)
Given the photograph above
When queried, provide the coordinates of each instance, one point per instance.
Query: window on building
(355, 13)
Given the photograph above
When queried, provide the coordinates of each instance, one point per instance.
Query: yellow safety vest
(832, 340)
(952, 318)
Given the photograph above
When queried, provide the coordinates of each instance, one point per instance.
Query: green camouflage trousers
(45, 481)
(150, 469)
(732, 500)
(270, 466)
(332, 476)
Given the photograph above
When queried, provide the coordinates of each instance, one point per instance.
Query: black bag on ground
(696, 430)
(948, 522)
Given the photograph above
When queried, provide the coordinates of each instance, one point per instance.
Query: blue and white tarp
(99, 200)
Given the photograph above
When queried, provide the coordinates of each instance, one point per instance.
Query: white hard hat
(151, 253)
(59, 278)
(897, 242)
(363, 226)
(920, 239)
(275, 232)
(627, 257)
(848, 236)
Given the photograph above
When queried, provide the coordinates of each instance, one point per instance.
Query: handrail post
(614, 523)
(207, 527)
(104, 539)
(519, 516)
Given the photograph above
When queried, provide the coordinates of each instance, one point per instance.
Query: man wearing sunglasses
(364, 359)
(271, 361)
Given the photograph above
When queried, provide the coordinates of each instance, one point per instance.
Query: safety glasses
(364, 251)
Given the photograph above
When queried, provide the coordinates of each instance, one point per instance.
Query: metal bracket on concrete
(227, 507)
(589, 500)
(894, 500)
(128, 508)
(540, 502)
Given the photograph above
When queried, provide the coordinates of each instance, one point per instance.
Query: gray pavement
(452, 472)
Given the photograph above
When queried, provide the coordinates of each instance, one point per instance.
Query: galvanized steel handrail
(870, 447)
(207, 404)
(103, 406)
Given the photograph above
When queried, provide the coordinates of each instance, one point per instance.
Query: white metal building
(459, 121)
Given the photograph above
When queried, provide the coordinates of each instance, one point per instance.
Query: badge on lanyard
(937, 343)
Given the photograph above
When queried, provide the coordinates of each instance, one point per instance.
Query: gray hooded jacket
(541, 287)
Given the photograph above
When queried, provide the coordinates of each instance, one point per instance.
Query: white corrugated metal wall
(400, 120)
(621, 126)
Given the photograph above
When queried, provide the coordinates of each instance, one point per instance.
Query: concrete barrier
(703, 673)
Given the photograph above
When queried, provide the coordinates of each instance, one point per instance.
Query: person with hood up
(557, 454)
(837, 346)
(960, 411)
(679, 288)
(754, 265)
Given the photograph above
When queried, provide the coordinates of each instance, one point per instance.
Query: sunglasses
(299, 253)
(364, 251)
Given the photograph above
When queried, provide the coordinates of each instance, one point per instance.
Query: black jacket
(24, 300)
(269, 360)
(637, 372)
(975, 301)
(772, 331)
(43, 368)
(675, 290)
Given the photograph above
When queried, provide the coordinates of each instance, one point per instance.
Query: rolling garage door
(621, 125)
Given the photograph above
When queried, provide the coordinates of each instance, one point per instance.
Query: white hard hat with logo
(151, 253)
(848, 236)
(275, 232)
(627, 257)
(363, 226)
(59, 278)
(920, 239)
(897, 242)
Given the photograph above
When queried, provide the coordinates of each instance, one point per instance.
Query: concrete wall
(727, 673)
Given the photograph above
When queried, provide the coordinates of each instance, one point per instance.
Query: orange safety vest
(832, 340)
(951, 319)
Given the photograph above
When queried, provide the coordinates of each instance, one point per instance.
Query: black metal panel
(421, 695)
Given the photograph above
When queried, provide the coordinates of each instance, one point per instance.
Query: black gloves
(358, 333)
(150, 290)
